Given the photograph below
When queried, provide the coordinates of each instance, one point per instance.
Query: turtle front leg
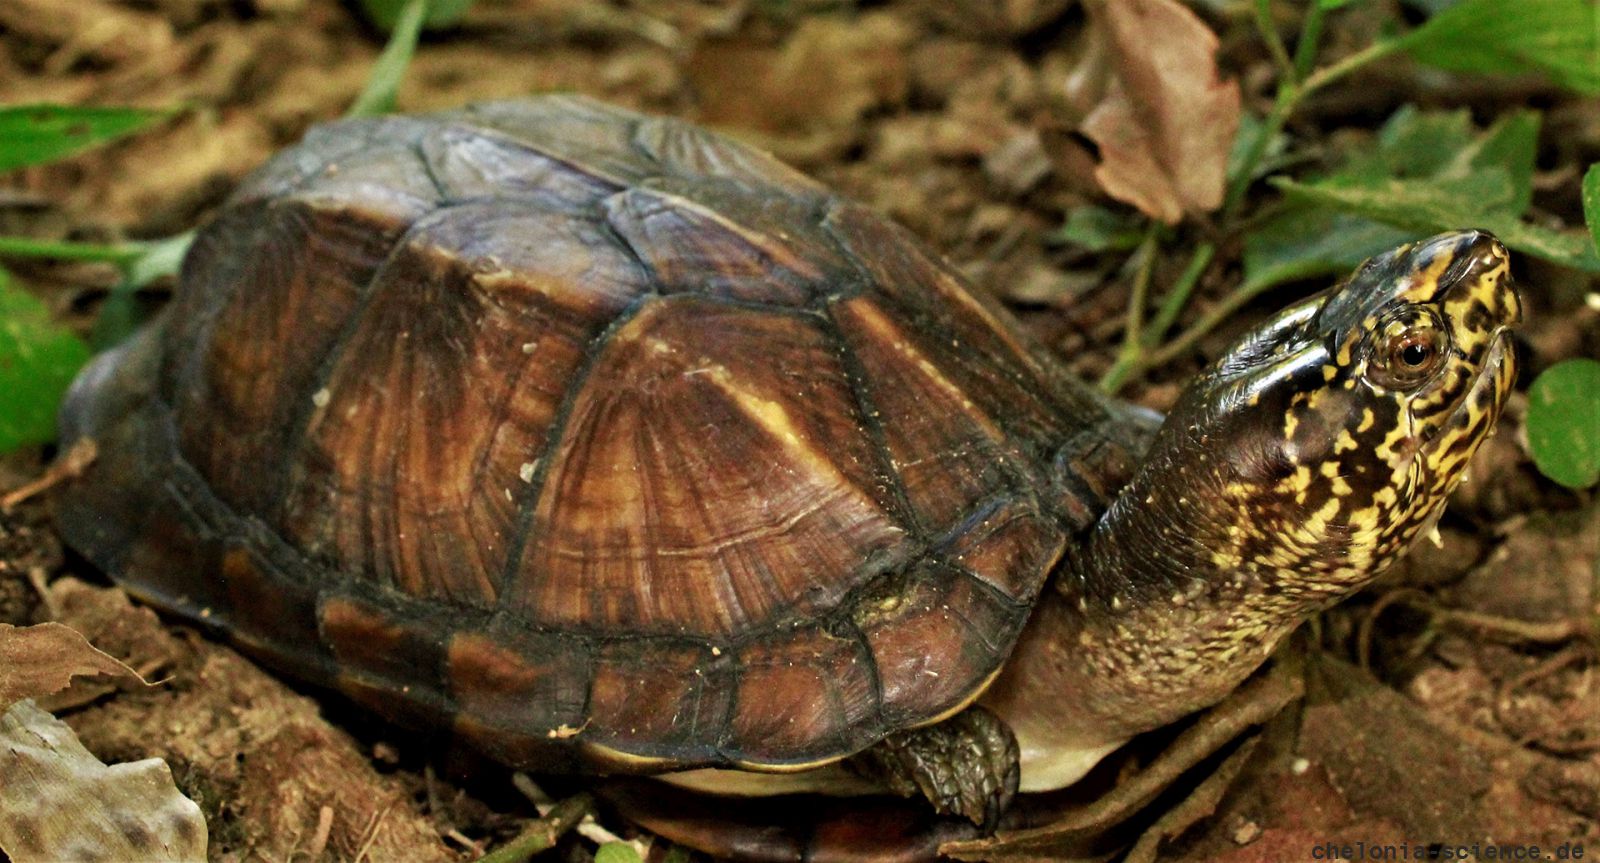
(966, 765)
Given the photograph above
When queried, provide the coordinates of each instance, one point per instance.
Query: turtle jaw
(1441, 460)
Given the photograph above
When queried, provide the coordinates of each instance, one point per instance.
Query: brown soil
(1454, 702)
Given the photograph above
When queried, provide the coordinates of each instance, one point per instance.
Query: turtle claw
(966, 766)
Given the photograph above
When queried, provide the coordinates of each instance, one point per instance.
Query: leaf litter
(59, 802)
(43, 659)
(919, 129)
(1166, 125)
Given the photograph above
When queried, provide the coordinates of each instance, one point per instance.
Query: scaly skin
(1290, 475)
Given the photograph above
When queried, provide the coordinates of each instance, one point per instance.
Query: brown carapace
(587, 433)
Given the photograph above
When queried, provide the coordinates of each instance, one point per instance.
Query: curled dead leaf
(39, 660)
(59, 802)
(1167, 122)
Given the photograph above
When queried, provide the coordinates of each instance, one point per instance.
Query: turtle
(610, 445)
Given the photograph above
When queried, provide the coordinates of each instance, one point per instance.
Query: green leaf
(616, 852)
(378, 97)
(1432, 172)
(441, 13)
(1414, 143)
(1302, 242)
(37, 134)
(140, 262)
(38, 359)
(1591, 202)
(1563, 419)
(1512, 144)
(1099, 229)
(1557, 38)
(1422, 205)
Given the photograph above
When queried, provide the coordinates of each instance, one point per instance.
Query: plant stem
(1179, 295)
(383, 82)
(1269, 35)
(1305, 51)
(1286, 100)
(1132, 332)
(120, 254)
(1329, 74)
(1132, 362)
(1208, 322)
(543, 834)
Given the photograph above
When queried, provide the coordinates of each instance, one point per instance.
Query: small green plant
(383, 83)
(40, 134)
(388, 14)
(38, 359)
(1427, 172)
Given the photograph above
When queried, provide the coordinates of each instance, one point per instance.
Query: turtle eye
(1409, 351)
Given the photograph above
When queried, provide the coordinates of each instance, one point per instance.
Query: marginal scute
(803, 695)
(520, 693)
(935, 641)
(656, 697)
(379, 647)
(270, 612)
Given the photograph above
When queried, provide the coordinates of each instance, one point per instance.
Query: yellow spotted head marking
(1332, 434)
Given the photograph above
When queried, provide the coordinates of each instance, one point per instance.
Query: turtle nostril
(1482, 249)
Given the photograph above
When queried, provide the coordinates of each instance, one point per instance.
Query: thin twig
(543, 834)
(319, 839)
(38, 580)
(1547, 739)
(69, 466)
(1410, 596)
(371, 832)
(1507, 628)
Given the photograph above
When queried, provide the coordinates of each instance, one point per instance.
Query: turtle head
(1289, 474)
(1344, 423)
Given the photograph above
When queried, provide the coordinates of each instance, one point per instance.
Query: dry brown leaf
(804, 99)
(59, 802)
(39, 660)
(1167, 123)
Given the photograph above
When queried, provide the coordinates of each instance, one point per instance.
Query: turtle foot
(966, 765)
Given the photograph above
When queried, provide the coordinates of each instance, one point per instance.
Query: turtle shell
(586, 435)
